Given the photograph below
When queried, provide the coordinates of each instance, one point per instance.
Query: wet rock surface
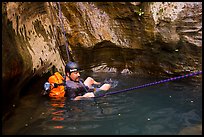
(124, 37)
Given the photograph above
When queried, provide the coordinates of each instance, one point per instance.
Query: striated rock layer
(147, 38)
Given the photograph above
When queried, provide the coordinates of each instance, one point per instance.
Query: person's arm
(78, 98)
(87, 95)
(90, 81)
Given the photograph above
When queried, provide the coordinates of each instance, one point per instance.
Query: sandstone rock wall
(146, 37)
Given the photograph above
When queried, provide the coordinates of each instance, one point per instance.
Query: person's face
(75, 76)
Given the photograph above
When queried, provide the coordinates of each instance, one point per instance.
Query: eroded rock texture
(152, 38)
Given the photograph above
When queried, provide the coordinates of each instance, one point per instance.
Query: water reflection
(161, 109)
(57, 109)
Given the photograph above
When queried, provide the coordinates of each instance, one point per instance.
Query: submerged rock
(195, 130)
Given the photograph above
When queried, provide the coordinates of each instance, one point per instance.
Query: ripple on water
(156, 110)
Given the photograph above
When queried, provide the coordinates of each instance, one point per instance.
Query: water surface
(163, 109)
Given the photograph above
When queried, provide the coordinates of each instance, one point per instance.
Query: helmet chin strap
(70, 78)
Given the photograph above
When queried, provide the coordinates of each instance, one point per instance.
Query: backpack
(57, 88)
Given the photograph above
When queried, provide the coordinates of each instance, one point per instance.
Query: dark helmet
(71, 67)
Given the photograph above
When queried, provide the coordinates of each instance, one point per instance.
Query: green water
(163, 109)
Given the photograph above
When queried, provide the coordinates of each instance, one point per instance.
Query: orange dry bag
(57, 85)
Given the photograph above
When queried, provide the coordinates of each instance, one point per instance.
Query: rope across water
(151, 84)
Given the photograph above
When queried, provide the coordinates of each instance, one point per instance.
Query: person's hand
(113, 83)
(97, 83)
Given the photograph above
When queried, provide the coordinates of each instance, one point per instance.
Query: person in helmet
(78, 88)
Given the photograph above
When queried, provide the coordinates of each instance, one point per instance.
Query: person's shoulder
(71, 84)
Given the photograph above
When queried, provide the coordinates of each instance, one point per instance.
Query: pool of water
(163, 109)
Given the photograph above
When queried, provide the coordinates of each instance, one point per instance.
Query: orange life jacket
(58, 91)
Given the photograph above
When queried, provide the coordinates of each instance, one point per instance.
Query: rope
(63, 31)
(128, 89)
(151, 84)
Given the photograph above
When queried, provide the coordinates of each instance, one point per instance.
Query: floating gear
(55, 86)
